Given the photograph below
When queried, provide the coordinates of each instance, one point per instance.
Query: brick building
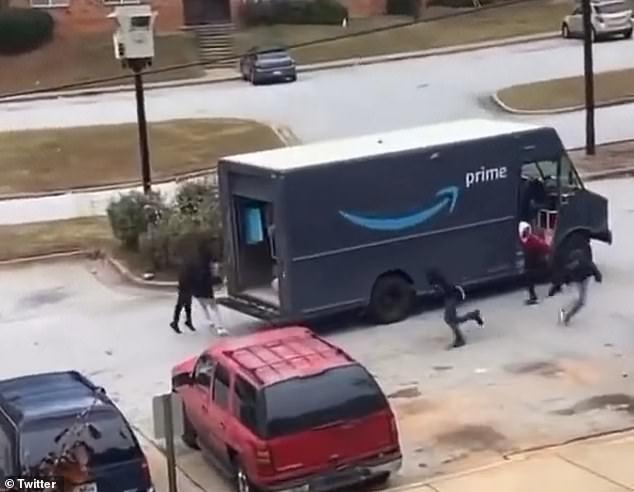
(173, 15)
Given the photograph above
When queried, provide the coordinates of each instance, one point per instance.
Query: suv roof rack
(287, 357)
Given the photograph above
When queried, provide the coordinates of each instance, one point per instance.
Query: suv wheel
(392, 299)
(243, 484)
(627, 34)
(565, 31)
(189, 436)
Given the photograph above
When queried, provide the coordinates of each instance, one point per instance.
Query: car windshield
(611, 8)
(108, 439)
(339, 394)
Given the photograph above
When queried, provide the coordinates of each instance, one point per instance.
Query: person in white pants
(203, 292)
(209, 306)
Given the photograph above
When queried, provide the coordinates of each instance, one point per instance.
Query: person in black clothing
(577, 270)
(186, 279)
(452, 296)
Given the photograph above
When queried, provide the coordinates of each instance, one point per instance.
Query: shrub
(294, 12)
(192, 221)
(23, 30)
(130, 214)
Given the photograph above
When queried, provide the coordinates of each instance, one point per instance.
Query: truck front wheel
(392, 299)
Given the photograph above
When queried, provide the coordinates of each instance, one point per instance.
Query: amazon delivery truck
(355, 223)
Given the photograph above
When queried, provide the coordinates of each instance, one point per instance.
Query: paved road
(336, 103)
(360, 99)
(522, 381)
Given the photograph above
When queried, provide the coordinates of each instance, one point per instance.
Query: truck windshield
(339, 394)
(546, 170)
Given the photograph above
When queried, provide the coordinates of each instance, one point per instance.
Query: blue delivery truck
(314, 229)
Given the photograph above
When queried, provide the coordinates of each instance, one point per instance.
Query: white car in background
(608, 18)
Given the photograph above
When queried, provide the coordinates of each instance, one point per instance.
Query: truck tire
(189, 436)
(392, 299)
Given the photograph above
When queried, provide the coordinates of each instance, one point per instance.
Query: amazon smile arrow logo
(446, 198)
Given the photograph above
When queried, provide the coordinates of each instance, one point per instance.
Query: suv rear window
(273, 55)
(611, 8)
(339, 394)
(114, 444)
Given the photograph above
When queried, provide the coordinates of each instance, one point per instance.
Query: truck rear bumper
(337, 479)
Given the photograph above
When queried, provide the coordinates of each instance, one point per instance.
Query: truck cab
(554, 200)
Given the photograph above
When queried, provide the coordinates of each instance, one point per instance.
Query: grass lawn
(536, 16)
(568, 92)
(60, 236)
(39, 238)
(54, 159)
(83, 57)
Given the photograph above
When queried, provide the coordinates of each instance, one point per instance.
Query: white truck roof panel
(326, 152)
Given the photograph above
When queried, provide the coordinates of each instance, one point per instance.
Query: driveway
(522, 381)
(362, 99)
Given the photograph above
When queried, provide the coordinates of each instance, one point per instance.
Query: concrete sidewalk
(597, 465)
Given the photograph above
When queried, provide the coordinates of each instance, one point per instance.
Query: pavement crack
(593, 472)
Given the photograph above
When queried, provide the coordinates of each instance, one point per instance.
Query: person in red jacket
(536, 251)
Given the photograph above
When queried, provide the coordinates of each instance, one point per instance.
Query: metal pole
(169, 444)
(137, 67)
(589, 77)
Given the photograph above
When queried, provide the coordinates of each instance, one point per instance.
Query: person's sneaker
(457, 343)
(562, 317)
(221, 331)
(478, 319)
(190, 325)
(531, 302)
(174, 326)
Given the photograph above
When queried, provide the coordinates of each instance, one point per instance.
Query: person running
(536, 251)
(203, 292)
(577, 271)
(186, 275)
(452, 296)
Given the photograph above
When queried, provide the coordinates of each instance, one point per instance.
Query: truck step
(251, 308)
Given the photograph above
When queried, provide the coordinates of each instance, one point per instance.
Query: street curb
(284, 133)
(349, 62)
(124, 272)
(55, 256)
(569, 109)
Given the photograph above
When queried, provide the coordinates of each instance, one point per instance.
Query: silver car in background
(608, 18)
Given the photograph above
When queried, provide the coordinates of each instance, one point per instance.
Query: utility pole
(137, 67)
(133, 42)
(588, 39)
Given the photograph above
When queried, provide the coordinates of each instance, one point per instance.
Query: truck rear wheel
(392, 299)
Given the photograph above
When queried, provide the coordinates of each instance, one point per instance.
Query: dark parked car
(268, 65)
(60, 424)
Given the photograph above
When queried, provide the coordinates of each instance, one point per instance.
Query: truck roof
(326, 152)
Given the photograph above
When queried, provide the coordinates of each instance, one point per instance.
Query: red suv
(285, 411)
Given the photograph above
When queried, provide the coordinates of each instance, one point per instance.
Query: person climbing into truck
(536, 251)
(577, 270)
(452, 296)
